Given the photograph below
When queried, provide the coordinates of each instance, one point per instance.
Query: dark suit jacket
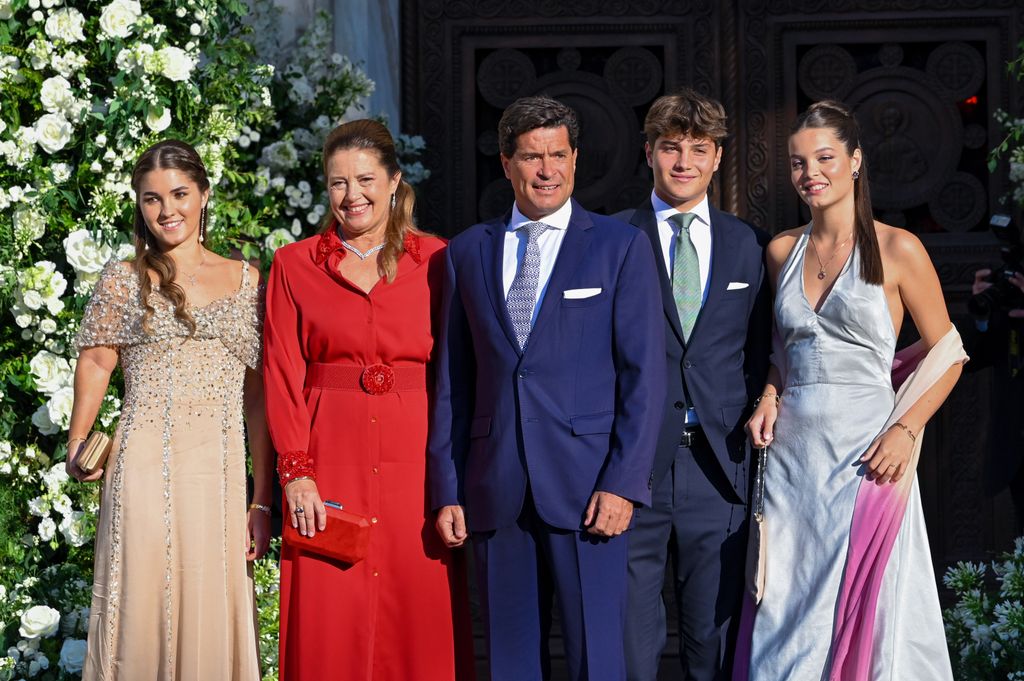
(724, 365)
(579, 410)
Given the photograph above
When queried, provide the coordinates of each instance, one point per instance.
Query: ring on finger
(299, 510)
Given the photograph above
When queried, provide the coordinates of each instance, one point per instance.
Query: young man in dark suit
(716, 322)
(548, 399)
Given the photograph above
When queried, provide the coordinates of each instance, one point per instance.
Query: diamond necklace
(362, 255)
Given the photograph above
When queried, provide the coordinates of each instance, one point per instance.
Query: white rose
(158, 118)
(66, 24)
(39, 621)
(47, 528)
(49, 371)
(118, 18)
(72, 655)
(55, 477)
(85, 282)
(61, 172)
(23, 320)
(84, 253)
(55, 94)
(125, 251)
(29, 223)
(39, 506)
(59, 406)
(53, 132)
(32, 299)
(41, 420)
(6, 11)
(176, 64)
(48, 325)
(55, 305)
(277, 238)
(74, 527)
(63, 504)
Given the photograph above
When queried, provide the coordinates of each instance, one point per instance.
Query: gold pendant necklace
(823, 265)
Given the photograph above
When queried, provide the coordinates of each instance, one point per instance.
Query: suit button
(522, 374)
(679, 405)
(687, 364)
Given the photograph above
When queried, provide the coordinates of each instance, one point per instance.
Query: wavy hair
(372, 135)
(174, 155)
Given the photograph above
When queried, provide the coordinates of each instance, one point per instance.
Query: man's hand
(981, 283)
(608, 514)
(451, 525)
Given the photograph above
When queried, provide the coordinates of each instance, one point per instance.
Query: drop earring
(856, 174)
(202, 226)
(392, 202)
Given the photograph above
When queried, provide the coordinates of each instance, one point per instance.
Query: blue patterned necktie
(685, 274)
(522, 295)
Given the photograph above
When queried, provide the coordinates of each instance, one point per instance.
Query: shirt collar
(329, 243)
(557, 220)
(663, 211)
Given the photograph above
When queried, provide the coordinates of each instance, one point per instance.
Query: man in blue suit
(550, 381)
(717, 325)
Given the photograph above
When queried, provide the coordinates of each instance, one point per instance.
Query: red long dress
(401, 614)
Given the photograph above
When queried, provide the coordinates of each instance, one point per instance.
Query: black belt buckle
(689, 437)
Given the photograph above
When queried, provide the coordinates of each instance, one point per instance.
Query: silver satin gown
(838, 394)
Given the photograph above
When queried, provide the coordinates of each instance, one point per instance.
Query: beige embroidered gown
(172, 592)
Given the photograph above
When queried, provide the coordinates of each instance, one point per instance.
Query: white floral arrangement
(84, 87)
(985, 629)
(1012, 145)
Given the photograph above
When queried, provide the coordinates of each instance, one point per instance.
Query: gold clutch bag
(94, 452)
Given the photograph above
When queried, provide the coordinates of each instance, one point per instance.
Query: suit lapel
(719, 278)
(645, 219)
(492, 250)
(571, 252)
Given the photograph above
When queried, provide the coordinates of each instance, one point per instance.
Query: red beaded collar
(329, 242)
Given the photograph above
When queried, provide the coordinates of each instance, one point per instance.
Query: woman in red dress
(348, 338)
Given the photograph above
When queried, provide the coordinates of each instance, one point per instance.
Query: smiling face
(172, 206)
(360, 190)
(820, 167)
(542, 170)
(683, 168)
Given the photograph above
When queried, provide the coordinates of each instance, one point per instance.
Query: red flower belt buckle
(377, 379)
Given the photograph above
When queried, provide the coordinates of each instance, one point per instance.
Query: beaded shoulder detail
(113, 316)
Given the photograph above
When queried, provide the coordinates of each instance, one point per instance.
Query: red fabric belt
(375, 379)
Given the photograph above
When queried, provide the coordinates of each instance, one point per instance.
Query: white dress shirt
(549, 244)
(700, 235)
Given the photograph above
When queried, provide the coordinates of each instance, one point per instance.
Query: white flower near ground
(54, 478)
(84, 253)
(39, 621)
(53, 132)
(63, 505)
(59, 406)
(66, 24)
(118, 18)
(158, 118)
(47, 529)
(55, 94)
(50, 372)
(72, 655)
(176, 64)
(277, 238)
(75, 528)
(39, 506)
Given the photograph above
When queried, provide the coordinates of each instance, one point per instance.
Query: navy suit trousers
(690, 523)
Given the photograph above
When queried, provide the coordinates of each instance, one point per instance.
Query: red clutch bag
(346, 539)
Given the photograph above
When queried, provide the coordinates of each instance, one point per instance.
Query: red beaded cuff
(291, 465)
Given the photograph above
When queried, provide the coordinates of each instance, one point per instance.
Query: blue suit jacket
(579, 409)
(725, 362)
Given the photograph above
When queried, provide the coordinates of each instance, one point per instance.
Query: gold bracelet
(299, 477)
(908, 431)
(778, 398)
(259, 507)
(75, 439)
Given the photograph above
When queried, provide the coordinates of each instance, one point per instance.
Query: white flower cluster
(118, 19)
(87, 256)
(25, 657)
(74, 524)
(53, 376)
(36, 298)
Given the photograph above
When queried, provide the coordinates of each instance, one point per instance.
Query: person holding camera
(994, 340)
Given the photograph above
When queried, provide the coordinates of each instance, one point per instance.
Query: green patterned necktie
(685, 274)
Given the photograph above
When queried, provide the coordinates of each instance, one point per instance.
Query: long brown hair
(176, 155)
(373, 135)
(834, 116)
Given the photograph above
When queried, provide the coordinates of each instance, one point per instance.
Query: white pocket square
(734, 285)
(577, 293)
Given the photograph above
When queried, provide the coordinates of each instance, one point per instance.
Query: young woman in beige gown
(172, 596)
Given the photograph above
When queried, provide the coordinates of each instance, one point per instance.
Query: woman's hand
(888, 456)
(258, 535)
(305, 510)
(72, 468)
(761, 425)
